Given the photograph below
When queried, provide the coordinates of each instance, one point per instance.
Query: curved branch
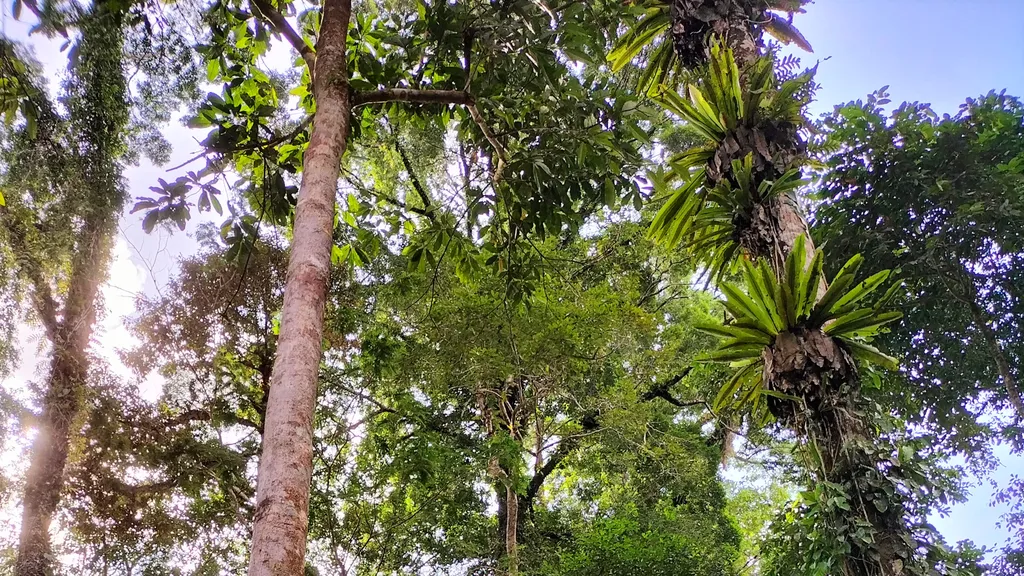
(278, 22)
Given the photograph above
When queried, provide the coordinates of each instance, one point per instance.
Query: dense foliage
(569, 294)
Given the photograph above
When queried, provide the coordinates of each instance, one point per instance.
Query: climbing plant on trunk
(86, 179)
(793, 338)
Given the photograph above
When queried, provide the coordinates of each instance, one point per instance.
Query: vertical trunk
(99, 113)
(286, 464)
(810, 366)
(512, 529)
(68, 371)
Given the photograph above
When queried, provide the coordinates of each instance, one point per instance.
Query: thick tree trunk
(68, 372)
(805, 364)
(286, 464)
(98, 116)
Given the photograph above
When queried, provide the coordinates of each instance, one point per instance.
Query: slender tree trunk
(512, 529)
(984, 324)
(286, 464)
(98, 113)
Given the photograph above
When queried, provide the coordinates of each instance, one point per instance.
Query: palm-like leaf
(703, 218)
(651, 33)
(699, 213)
(770, 306)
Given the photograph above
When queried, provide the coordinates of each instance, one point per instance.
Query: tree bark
(512, 528)
(286, 464)
(61, 404)
(99, 113)
(810, 366)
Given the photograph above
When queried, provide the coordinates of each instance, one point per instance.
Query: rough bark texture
(98, 113)
(286, 464)
(811, 366)
(694, 20)
(512, 530)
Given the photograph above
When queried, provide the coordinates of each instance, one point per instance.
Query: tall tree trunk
(803, 363)
(61, 404)
(98, 113)
(286, 464)
(512, 529)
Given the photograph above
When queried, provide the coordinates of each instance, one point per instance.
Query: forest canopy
(497, 287)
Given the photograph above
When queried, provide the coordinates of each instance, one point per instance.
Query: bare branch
(412, 176)
(278, 22)
(412, 95)
(499, 150)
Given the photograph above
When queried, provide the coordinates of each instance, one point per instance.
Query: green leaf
(743, 303)
(763, 294)
(860, 291)
(653, 25)
(738, 352)
(866, 326)
(869, 353)
(795, 270)
(150, 220)
(838, 287)
(212, 70)
(737, 332)
(728, 390)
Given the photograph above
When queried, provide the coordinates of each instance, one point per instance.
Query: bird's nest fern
(772, 311)
(713, 189)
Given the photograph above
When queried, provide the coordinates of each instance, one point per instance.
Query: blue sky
(935, 51)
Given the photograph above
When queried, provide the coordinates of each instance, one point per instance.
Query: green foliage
(661, 59)
(569, 136)
(836, 525)
(706, 219)
(938, 198)
(16, 95)
(770, 306)
(705, 211)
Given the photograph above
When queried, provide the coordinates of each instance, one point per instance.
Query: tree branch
(412, 95)
(258, 145)
(499, 150)
(437, 97)
(33, 7)
(277, 22)
(42, 297)
(415, 181)
(565, 448)
(1009, 382)
(661, 390)
(354, 181)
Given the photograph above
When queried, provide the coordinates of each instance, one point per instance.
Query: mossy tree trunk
(98, 108)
